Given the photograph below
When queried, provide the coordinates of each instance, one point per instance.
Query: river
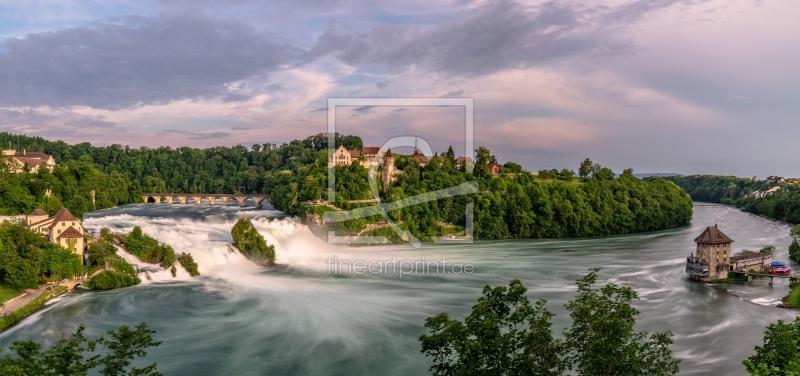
(297, 318)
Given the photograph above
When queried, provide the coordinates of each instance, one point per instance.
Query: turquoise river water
(300, 318)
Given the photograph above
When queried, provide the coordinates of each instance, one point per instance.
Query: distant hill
(647, 175)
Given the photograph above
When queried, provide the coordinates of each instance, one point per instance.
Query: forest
(71, 184)
(27, 258)
(187, 170)
(730, 190)
(512, 204)
(508, 205)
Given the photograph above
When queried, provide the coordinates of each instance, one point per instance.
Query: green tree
(586, 168)
(484, 158)
(21, 275)
(450, 155)
(627, 171)
(780, 349)
(795, 232)
(77, 355)
(53, 205)
(603, 173)
(794, 250)
(767, 249)
(602, 339)
(504, 335)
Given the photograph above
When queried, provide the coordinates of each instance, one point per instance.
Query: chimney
(715, 225)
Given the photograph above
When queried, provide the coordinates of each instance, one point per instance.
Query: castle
(373, 156)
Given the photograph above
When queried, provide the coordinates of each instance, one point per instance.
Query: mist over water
(238, 318)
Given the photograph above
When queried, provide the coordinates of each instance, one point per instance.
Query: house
(495, 168)
(775, 179)
(461, 160)
(776, 190)
(62, 229)
(17, 161)
(712, 260)
(745, 261)
(344, 157)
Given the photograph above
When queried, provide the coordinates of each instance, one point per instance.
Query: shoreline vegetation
(144, 247)
(782, 204)
(511, 204)
(31, 307)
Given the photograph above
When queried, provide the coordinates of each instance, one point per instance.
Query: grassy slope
(6, 292)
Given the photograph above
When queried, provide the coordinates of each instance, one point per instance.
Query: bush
(188, 263)
(148, 249)
(122, 266)
(112, 280)
(251, 243)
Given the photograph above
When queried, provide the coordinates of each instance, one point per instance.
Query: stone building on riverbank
(712, 259)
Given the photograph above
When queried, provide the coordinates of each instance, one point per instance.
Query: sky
(660, 86)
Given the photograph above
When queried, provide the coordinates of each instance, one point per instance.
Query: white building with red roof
(17, 161)
(63, 229)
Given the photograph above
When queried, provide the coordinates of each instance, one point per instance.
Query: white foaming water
(153, 272)
(208, 240)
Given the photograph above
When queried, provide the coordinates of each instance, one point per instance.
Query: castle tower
(713, 257)
(388, 169)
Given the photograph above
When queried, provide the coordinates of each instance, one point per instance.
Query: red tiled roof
(62, 215)
(388, 154)
(354, 154)
(37, 212)
(712, 235)
(370, 150)
(32, 162)
(70, 232)
(32, 154)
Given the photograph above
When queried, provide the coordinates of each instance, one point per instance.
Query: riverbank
(31, 306)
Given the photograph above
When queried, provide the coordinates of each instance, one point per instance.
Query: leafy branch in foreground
(71, 356)
(780, 354)
(506, 335)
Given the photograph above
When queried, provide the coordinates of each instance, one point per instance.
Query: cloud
(320, 109)
(381, 85)
(130, 61)
(240, 128)
(496, 36)
(453, 94)
(363, 109)
(191, 135)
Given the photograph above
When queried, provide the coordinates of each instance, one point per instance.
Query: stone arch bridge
(240, 198)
